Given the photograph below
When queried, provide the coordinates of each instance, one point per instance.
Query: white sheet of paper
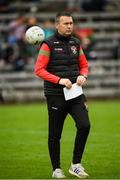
(73, 92)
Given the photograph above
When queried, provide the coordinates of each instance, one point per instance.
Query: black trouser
(58, 109)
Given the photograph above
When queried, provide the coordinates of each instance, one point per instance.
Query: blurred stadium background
(23, 127)
(97, 24)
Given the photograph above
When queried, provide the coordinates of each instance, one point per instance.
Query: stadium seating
(104, 73)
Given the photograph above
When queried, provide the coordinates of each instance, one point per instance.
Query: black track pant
(58, 109)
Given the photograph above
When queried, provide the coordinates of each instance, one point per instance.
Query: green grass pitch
(23, 142)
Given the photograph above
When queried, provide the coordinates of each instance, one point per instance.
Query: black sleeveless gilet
(64, 55)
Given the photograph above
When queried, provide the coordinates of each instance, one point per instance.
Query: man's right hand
(65, 82)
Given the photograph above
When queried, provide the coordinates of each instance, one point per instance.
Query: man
(61, 62)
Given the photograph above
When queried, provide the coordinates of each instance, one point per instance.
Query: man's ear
(56, 25)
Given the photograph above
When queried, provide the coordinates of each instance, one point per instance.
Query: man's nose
(69, 25)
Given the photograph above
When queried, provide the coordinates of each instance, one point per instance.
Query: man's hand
(81, 80)
(65, 82)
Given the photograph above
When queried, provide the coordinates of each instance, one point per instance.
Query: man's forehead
(66, 18)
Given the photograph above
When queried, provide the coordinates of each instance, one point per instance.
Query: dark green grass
(23, 142)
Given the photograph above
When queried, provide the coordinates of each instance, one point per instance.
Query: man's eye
(68, 23)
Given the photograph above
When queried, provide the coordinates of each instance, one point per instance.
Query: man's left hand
(81, 80)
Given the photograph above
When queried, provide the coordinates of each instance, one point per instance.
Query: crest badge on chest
(74, 50)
